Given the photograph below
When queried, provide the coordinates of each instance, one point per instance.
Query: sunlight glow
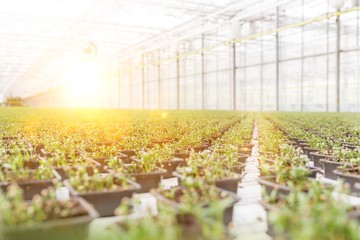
(83, 82)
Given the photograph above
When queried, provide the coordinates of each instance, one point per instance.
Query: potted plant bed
(186, 200)
(350, 175)
(32, 182)
(103, 192)
(49, 219)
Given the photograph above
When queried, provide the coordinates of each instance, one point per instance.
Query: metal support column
(143, 80)
(131, 82)
(262, 63)
(357, 62)
(159, 80)
(277, 60)
(262, 74)
(119, 75)
(302, 60)
(202, 73)
(337, 62)
(217, 72)
(234, 76)
(244, 80)
(177, 81)
(327, 61)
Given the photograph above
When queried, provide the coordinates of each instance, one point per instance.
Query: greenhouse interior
(180, 119)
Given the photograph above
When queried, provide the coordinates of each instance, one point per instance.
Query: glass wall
(293, 69)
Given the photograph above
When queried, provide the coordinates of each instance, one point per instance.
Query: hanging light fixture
(252, 27)
(90, 50)
(235, 29)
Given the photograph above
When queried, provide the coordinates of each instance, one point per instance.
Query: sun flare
(83, 82)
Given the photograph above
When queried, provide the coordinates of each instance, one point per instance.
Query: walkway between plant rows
(249, 216)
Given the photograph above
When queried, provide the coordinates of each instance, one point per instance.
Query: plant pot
(298, 140)
(108, 144)
(60, 172)
(7, 139)
(229, 184)
(313, 171)
(128, 153)
(161, 142)
(121, 157)
(228, 212)
(243, 157)
(355, 214)
(30, 188)
(349, 145)
(308, 150)
(182, 155)
(269, 208)
(31, 164)
(316, 159)
(189, 226)
(170, 166)
(329, 168)
(72, 228)
(303, 146)
(199, 148)
(105, 202)
(352, 179)
(270, 185)
(246, 149)
(236, 169)
(149, 180)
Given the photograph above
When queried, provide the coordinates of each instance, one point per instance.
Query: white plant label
(62, 194)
